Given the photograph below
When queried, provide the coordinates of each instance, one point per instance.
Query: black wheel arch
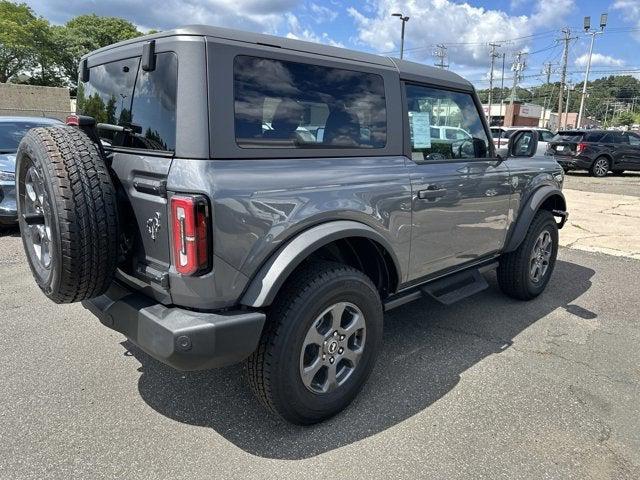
(346, 241)
(546, 197)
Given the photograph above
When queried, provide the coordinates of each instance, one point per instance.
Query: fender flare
(271, 276)
(528, 211)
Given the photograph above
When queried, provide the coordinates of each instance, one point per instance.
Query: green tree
(85, 33)
(624, 118)
(21, 35)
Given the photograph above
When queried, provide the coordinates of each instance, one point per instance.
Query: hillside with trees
(615, 99)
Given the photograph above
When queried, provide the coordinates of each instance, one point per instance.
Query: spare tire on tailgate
(67, 211)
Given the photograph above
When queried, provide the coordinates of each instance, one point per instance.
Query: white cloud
(630, 12)
(323, 14)
(298, 32)
(599, 59)
(254, 15)
(467, 29)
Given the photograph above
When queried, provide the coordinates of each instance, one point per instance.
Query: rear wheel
(67, 213)
(525, 272)
(600, 167)
(320, 343)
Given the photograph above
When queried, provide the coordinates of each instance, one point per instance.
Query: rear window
(134, 108)
(568, 137)
(282, 104)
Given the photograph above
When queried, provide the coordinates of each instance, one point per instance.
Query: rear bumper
(183, 339)
(569, 162)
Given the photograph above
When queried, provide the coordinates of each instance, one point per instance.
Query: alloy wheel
(540, 257)
(332, 347)
(601, 167)
(36, 214)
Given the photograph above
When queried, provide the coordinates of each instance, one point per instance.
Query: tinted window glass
(546, 136)
(466, 137)
(154, 106)
(568, 137)
(593, 137)
(148, 115)
(107, 95)
(607, 138)
(634, 139)
(294, 105)
(621, 138)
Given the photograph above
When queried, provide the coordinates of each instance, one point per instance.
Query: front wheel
(320, 343)
(525, 272)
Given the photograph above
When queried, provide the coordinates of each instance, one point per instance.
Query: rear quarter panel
(258, 205)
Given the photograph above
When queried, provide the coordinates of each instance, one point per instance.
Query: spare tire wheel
(67, 211)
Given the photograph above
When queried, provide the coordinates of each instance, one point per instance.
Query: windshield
(12, 132)
(567, 137)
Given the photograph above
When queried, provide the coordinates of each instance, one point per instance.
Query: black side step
(456, 287)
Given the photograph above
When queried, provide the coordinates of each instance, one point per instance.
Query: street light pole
(588, 31)
(404, 20)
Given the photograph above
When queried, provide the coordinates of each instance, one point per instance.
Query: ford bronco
(225, 196)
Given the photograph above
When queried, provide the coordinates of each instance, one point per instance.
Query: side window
(606, 138)
(465, 137)
(634, 140)
(621, 138)
(593, 137)
(107, 96)
(282, 104)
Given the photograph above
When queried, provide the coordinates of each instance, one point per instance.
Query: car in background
(597, 151)
(449, 133)
(12, 129)
(501, 137)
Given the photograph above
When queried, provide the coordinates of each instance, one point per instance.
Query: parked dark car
(598, 151)
(12, 129)
(247, 197)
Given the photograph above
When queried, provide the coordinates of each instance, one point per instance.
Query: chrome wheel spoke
(35, 213)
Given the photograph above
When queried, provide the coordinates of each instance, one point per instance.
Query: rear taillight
(581, 147)
(73, 120)
(190, 232)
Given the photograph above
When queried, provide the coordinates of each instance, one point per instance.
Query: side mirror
(523, 143)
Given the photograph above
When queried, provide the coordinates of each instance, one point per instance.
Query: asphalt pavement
(487, 388)
(626, 184)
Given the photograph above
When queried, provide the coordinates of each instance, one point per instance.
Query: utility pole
(441, 54)
(404, 20)
(593, 33)
(566, 31)
(493, 60)
(518, 66)
(547, 72)
(566, 109)
(504, 55)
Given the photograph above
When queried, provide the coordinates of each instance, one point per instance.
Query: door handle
(432, 192)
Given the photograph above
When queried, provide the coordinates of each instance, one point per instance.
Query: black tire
(514, 277)
(76, 205)
(596, 169)
(274, 369)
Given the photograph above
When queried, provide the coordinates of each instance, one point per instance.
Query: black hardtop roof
(406, 69)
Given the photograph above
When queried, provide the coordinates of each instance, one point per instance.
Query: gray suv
(226, 196)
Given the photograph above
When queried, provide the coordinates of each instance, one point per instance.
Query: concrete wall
(30, 101)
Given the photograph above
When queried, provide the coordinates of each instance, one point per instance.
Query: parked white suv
(501, 137)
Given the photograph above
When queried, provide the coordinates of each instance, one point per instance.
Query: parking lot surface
(487, 388)
(625, 184)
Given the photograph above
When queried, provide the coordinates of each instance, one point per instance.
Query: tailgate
(563, 148)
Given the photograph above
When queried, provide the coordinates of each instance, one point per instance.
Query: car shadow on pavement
(9, 231)
(427, 346)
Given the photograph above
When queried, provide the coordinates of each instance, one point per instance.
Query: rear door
(136, 115)
(634, 160)
(460, 194)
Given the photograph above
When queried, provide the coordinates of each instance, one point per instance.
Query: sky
(464, 27)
